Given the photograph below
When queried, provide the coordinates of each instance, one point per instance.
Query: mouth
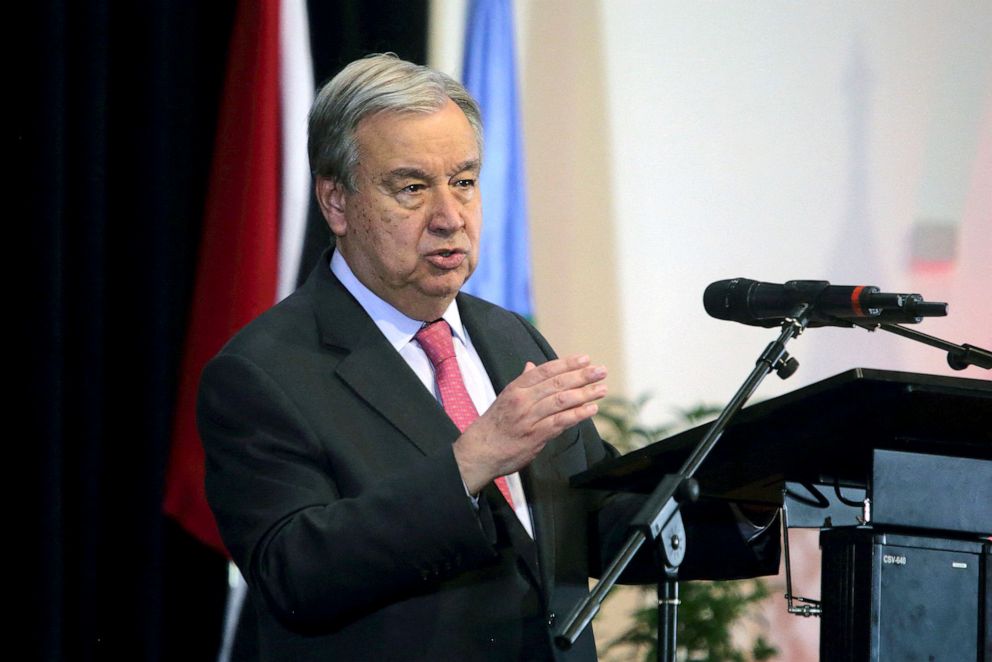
(447, 258)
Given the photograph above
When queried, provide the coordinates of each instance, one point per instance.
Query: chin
(443, 290)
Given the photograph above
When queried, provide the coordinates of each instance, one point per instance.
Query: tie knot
(435, 339)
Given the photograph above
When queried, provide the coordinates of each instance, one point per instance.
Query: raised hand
(534, 408)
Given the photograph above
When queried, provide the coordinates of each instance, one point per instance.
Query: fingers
(565, 380)
(574, 380)
(536, 374)
(560, 401)
(558, 394)
(541, 403)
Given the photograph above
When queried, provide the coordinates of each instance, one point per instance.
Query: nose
(446, 213)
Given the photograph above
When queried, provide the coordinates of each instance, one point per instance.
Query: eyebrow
(406, 173)
(470, 164)
(413, 172)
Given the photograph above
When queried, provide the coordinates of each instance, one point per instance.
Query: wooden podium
(895, 469)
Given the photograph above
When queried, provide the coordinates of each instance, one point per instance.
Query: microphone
(767, 304)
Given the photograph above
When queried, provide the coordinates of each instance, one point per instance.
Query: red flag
(237, 267)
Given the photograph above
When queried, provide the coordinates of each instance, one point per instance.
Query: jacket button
(552, 617)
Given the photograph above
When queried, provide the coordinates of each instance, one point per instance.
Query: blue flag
(490, 74)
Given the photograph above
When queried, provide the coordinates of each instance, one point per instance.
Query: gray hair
(374, 84)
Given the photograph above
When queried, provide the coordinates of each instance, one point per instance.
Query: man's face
(410, 232)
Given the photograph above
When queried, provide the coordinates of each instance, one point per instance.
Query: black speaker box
(892, 597)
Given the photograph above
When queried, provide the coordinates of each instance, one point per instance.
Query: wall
(778, 141)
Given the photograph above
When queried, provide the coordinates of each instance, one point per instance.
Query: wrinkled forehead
(444, 133)
(419, 118)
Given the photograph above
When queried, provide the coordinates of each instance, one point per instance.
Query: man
(385, 499)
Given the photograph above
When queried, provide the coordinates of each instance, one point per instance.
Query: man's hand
(534, 408)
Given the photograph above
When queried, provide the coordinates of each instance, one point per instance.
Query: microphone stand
(659, 520)
(959, 357)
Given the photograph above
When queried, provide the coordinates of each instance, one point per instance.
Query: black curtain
(115, 106)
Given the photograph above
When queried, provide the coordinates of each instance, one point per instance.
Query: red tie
(435, 339)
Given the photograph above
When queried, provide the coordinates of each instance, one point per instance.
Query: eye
(465, 183)
(412, 188)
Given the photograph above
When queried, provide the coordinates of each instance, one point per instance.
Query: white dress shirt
(400, 331)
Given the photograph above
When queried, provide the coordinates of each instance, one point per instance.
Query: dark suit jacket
(331, 473)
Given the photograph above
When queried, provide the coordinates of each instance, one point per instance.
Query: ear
(331, 197)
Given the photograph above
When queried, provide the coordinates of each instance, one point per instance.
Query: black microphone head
(727, 299)
(733, 300)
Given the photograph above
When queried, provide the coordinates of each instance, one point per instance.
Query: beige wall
(569, 159)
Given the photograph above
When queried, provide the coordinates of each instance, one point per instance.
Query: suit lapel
(505, 346)
(379, 375)
(372, 367)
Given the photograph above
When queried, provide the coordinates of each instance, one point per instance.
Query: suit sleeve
(717, 545)
(319, 559)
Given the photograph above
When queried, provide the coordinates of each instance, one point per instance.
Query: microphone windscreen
(727, 299)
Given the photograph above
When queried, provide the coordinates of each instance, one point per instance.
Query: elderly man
(388, 459)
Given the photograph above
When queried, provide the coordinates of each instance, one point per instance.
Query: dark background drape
(115, 106)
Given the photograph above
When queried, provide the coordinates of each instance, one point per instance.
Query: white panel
(773, 141)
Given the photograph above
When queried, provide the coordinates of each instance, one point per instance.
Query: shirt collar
(397, 327)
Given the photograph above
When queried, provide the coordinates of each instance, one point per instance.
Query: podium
(895, 469)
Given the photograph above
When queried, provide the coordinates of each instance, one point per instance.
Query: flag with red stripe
(238, 265)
